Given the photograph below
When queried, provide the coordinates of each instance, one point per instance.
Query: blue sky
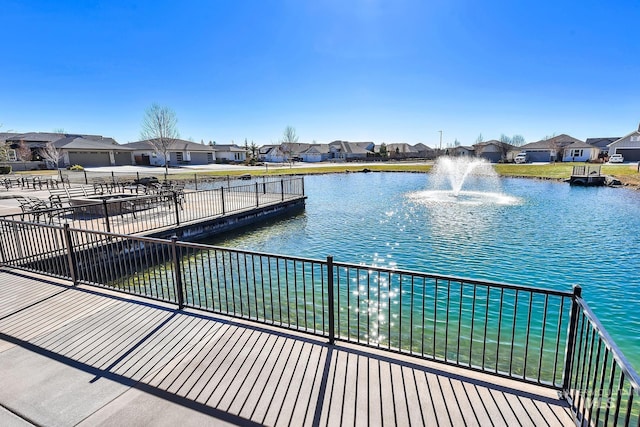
(359, 70)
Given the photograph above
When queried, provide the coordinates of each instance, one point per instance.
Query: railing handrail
(579, 307)
(626, 367)
(388, 270)
(123, 197)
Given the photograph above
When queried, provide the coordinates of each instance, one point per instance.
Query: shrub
(76, 168)
(5, 170)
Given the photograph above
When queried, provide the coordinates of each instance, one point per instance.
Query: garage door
(629, 154)
(123, 158)
(89, 159)
(538, 156)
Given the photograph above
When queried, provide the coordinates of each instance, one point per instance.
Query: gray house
(493, 150)
(84, 150)
(628, 146)
(180, 152)
(345, 150)
(92, 151)
(548, 150)
(602, 143)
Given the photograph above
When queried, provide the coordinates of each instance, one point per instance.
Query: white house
(230, 153)
(315, 153)
(580, 152)
(271, 153)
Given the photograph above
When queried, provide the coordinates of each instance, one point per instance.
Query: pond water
(529, 232)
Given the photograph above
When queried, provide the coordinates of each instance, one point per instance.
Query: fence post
(282, 188)
(70, 258)
(175, 203)
(257, 197)
(2, 255)
(222, 198)
(113, 178)
(137, 176)
(571, 339)
(302, 179)
(195, 180)
(177, 273)
(86, 181)
(332, 337)
(105, 209)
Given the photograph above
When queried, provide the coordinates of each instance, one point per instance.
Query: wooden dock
(587, 176)
(84, 356)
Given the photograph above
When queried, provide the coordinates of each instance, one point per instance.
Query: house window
(11, 155)
(576, 153)
(209, 157)
(179, 157)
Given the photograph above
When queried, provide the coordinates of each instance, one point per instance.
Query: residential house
(229, 153)
(315, 153)
(345, 150)
(84, 150)
(92, 151)
(580, 152)
(424, 151)
(548, 150)
(401, 151)
(493, 150)
(602, 144)
(7, 154)
(34, 141)
(461, 151)
(270, 153)
(180, 152)
(628, 146)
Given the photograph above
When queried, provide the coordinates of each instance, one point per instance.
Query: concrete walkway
(80, 356)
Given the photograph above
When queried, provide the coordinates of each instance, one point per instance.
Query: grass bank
(627, 174)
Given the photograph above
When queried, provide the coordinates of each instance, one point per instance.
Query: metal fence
(193, 180)
(533, 335)
(128, 212)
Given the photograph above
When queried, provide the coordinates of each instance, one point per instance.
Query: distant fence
(127, 212)
(194, 180)
(529, 334)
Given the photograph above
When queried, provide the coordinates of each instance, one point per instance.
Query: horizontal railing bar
(532, 289)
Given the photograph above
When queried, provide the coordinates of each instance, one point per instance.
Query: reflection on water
(526, 232)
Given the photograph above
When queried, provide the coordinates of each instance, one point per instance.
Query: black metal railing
(600, 385)
(129, 213)
(534, 335)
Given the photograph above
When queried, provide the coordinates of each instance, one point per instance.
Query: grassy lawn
(628, 174)
(549, 171)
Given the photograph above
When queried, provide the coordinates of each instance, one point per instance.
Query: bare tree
(159, 129)
(51, 154)
(518, 140)
(289, 137)
(4, 150)
(23, 153)
(479, 139)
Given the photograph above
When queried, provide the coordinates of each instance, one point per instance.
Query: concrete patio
(84, 356)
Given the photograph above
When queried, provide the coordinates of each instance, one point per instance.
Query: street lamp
(440, 141)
